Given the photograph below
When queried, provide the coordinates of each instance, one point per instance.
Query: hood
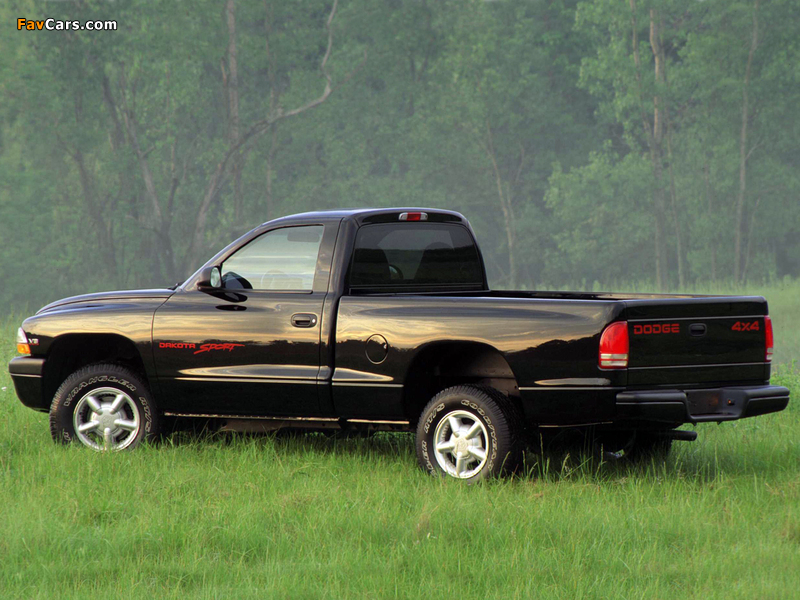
(102, 297)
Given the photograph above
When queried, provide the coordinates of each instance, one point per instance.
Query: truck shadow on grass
(697, 462)
(700, 462)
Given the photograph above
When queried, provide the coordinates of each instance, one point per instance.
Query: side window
(282, 259)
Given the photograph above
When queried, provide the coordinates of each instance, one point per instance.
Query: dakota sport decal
(209, 347)
(226, 346)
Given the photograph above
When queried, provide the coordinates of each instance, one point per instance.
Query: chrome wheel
(460, 444)
(106, 419)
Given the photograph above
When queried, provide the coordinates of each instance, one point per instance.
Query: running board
(260, 424)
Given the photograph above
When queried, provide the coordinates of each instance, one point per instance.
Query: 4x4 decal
(743, 326)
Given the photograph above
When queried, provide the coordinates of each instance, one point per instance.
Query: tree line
(604, 140)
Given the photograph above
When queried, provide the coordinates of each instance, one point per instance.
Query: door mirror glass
(210, 278)
(215, 279)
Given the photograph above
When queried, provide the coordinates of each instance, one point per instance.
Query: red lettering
(656, 328)
(742, 326)
(225, 347)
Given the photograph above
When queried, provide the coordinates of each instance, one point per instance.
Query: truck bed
(550, 343)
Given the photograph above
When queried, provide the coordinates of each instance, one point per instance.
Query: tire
(469, 432)
(647, 446)
(104, 407)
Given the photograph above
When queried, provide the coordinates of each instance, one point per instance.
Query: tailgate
(696, 340)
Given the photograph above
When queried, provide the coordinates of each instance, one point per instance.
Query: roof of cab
(360, 214)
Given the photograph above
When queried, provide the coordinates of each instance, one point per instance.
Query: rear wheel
(103, 407)
(468, 432)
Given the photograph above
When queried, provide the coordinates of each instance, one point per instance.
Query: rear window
(415, 255)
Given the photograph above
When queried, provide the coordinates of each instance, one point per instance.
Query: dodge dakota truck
(382, 319)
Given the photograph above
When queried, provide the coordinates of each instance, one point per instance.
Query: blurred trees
(601, 140)
(708, 109)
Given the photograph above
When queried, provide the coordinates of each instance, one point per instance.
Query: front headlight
(23, 347)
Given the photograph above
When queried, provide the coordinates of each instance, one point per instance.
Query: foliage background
(127, 157)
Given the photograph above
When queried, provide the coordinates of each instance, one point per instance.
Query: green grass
(266, 517)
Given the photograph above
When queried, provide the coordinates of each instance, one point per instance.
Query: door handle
(304, 320)
(697, 329)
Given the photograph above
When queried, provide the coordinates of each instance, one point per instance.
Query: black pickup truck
(367, 320)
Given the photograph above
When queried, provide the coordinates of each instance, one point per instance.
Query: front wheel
(468, 432)
(104, 407)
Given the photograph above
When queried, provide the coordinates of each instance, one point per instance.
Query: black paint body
(541, 348)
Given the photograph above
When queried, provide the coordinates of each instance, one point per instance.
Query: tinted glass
(415, 255)
(283, 259)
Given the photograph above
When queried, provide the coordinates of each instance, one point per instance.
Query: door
(251, 346)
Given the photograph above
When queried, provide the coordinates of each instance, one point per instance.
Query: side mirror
(210, 277)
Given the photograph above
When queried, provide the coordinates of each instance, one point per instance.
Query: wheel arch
(439, 365)
(73, 351)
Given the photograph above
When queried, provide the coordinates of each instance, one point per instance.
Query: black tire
(499, 434)
(105, 384)
(648, 446)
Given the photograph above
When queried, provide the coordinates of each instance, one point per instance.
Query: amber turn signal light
(23, 347)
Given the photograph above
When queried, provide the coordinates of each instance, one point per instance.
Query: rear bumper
(701, 406)
(26, 372)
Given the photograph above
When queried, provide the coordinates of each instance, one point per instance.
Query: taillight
(769, 339)
(614, 346)
(413, 216)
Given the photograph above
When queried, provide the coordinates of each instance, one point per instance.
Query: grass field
(267, 517)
